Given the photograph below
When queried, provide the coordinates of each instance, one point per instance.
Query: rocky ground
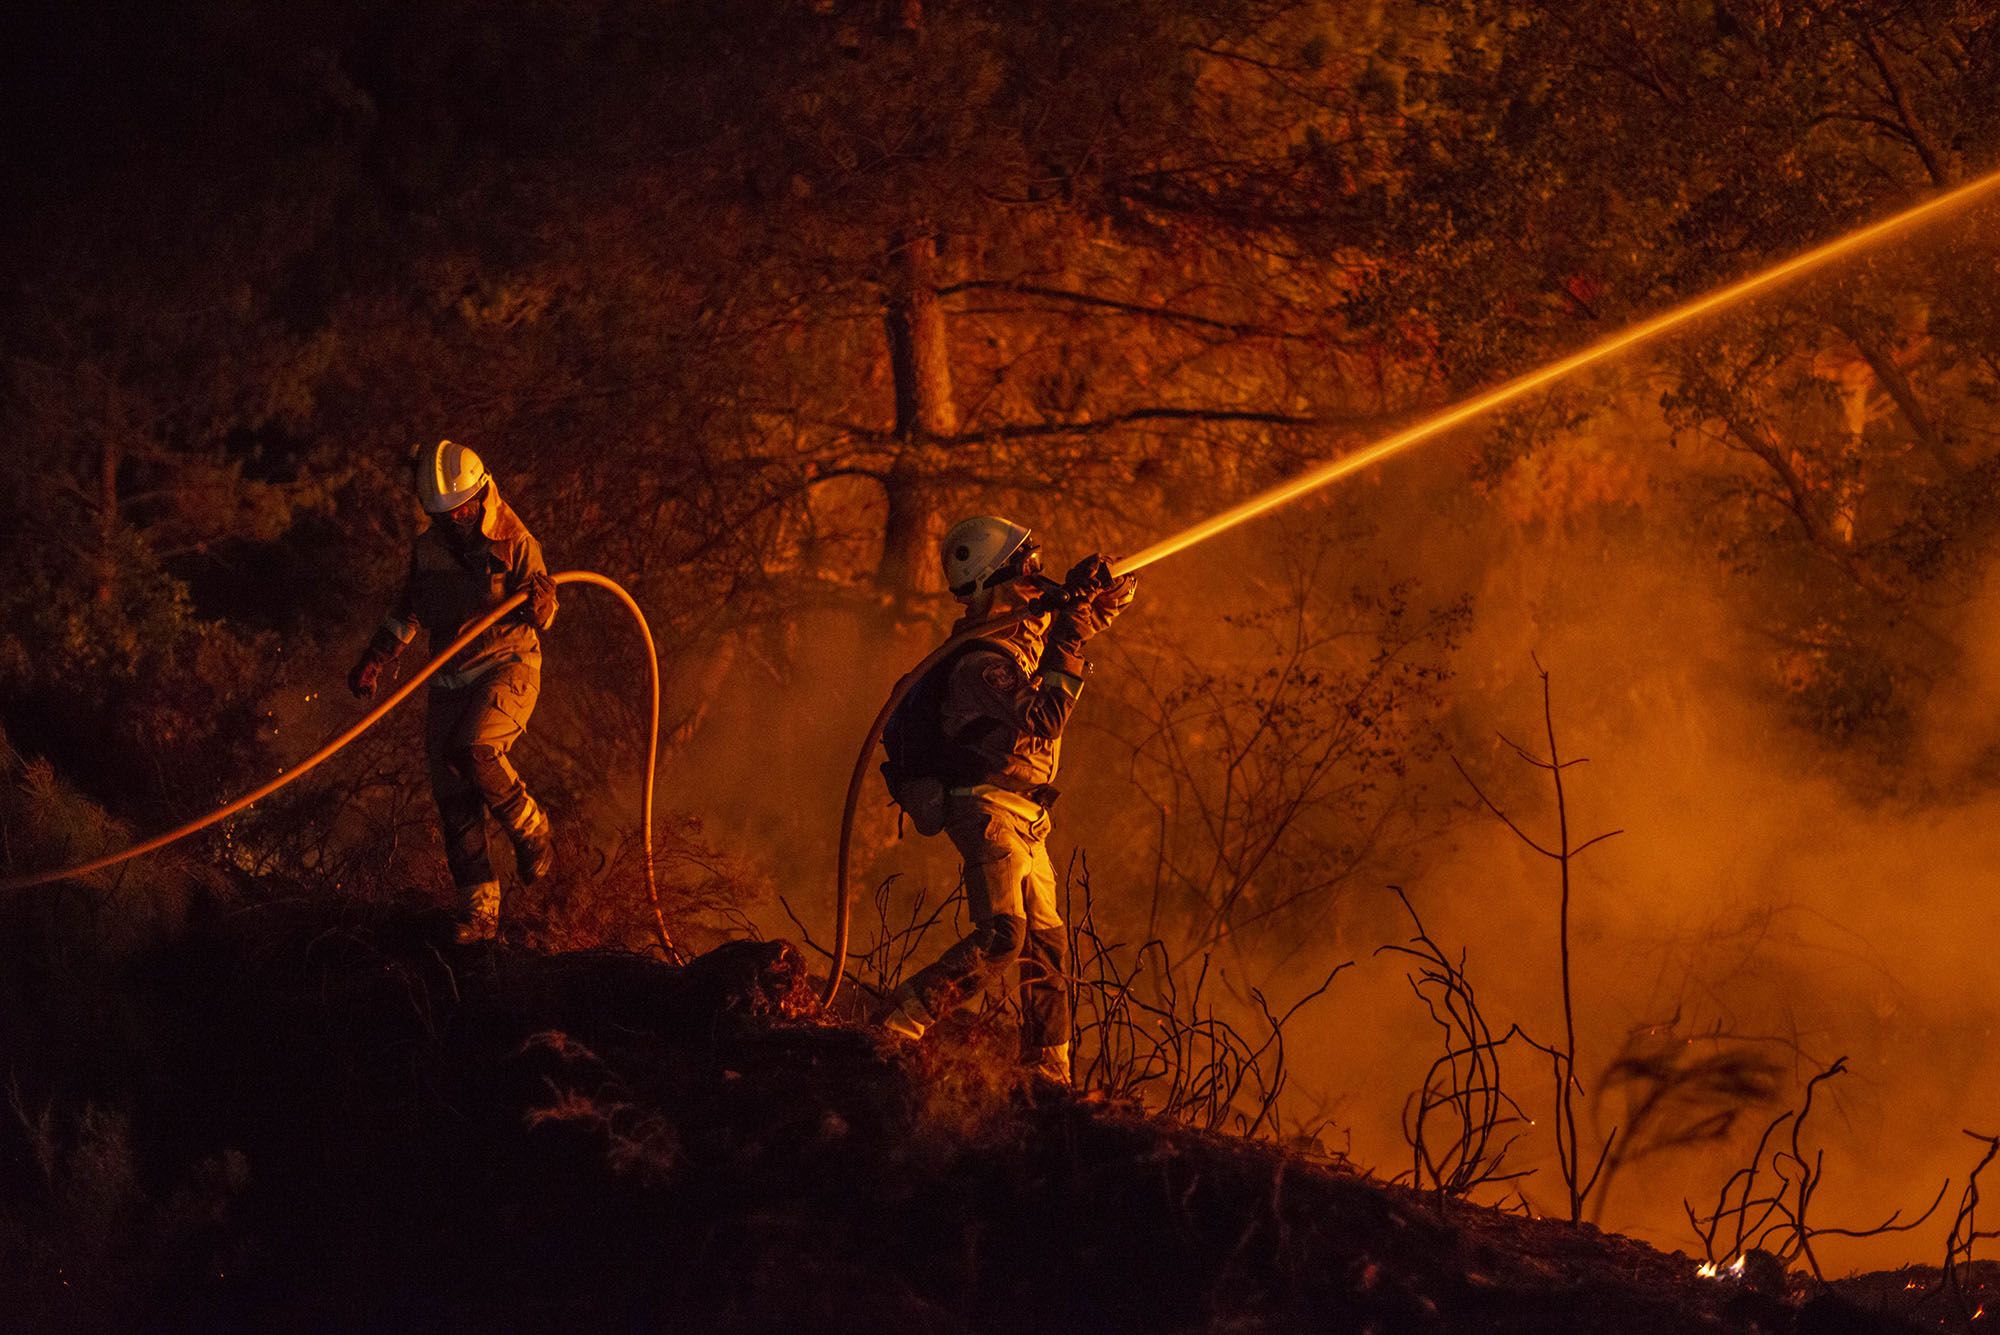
(296, 1119)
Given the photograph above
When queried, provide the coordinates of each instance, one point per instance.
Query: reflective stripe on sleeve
(1068, 685)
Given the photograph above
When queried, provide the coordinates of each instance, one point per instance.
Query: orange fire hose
(375, 715)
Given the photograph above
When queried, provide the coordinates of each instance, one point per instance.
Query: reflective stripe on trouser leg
(909, 1016)
(481, 902)
(522, 816)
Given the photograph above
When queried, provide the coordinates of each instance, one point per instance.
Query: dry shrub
(967, 1077)
(1766, 1205)
(105, 918)
(590, 1097)
(93, 1244)
(1460, 1123)
(597, 901)
(1147, 1029)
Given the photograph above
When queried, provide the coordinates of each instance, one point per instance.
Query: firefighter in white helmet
(474, 555)
(997, 709)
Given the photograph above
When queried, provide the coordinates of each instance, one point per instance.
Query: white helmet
(978, 549)
(448, 475)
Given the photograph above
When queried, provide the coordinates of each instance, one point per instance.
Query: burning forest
(1120, 665)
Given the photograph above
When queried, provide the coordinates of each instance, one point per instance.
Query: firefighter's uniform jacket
(480, 701)
(450, 583)
(1006, 705)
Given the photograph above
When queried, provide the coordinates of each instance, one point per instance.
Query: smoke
(1766, 883)
(1960, 719)
(1769, 884)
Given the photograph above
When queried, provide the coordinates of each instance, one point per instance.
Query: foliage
(1144, 1027)
(91, 1242)
(1681, 1091)
(77, 929)
(1840, 439)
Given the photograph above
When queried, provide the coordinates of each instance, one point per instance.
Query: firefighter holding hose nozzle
(475, 554)
(973, 751)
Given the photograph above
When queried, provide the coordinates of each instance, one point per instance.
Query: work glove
(365, 676)
(1114, 598)
(540, 609)
(1101, 597)
(1088, 576)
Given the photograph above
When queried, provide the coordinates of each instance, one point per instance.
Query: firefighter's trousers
(467, 734)
(1010, 892)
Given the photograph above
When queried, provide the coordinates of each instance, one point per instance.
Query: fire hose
(472, 631)
(1425, 429)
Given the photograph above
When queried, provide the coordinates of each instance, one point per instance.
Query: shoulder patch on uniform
(1000, 673)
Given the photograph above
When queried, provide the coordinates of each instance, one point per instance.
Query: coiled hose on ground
(375, 715)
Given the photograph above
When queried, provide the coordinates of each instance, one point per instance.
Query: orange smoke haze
(1769, 882)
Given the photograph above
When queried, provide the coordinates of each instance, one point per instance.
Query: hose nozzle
(1090, 577)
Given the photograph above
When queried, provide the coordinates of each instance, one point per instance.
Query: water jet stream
(1333, 471)
(1286, 492)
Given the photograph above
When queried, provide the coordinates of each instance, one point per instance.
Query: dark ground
(298, 1119)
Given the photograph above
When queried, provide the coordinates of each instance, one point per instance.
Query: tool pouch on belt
(922, 799)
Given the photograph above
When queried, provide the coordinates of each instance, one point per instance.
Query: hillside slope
(297, 1119)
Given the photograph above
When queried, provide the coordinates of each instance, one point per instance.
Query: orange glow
(1616, 343)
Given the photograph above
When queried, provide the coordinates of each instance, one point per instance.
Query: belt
(464, 677)
(1004, 798)
(458, 681)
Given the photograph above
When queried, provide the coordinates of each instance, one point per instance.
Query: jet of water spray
(1382, 449)
(1334, 470)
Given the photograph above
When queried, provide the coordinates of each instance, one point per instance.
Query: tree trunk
(920, 362)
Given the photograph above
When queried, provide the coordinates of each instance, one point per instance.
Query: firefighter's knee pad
(469, 762)
(1001, 937)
